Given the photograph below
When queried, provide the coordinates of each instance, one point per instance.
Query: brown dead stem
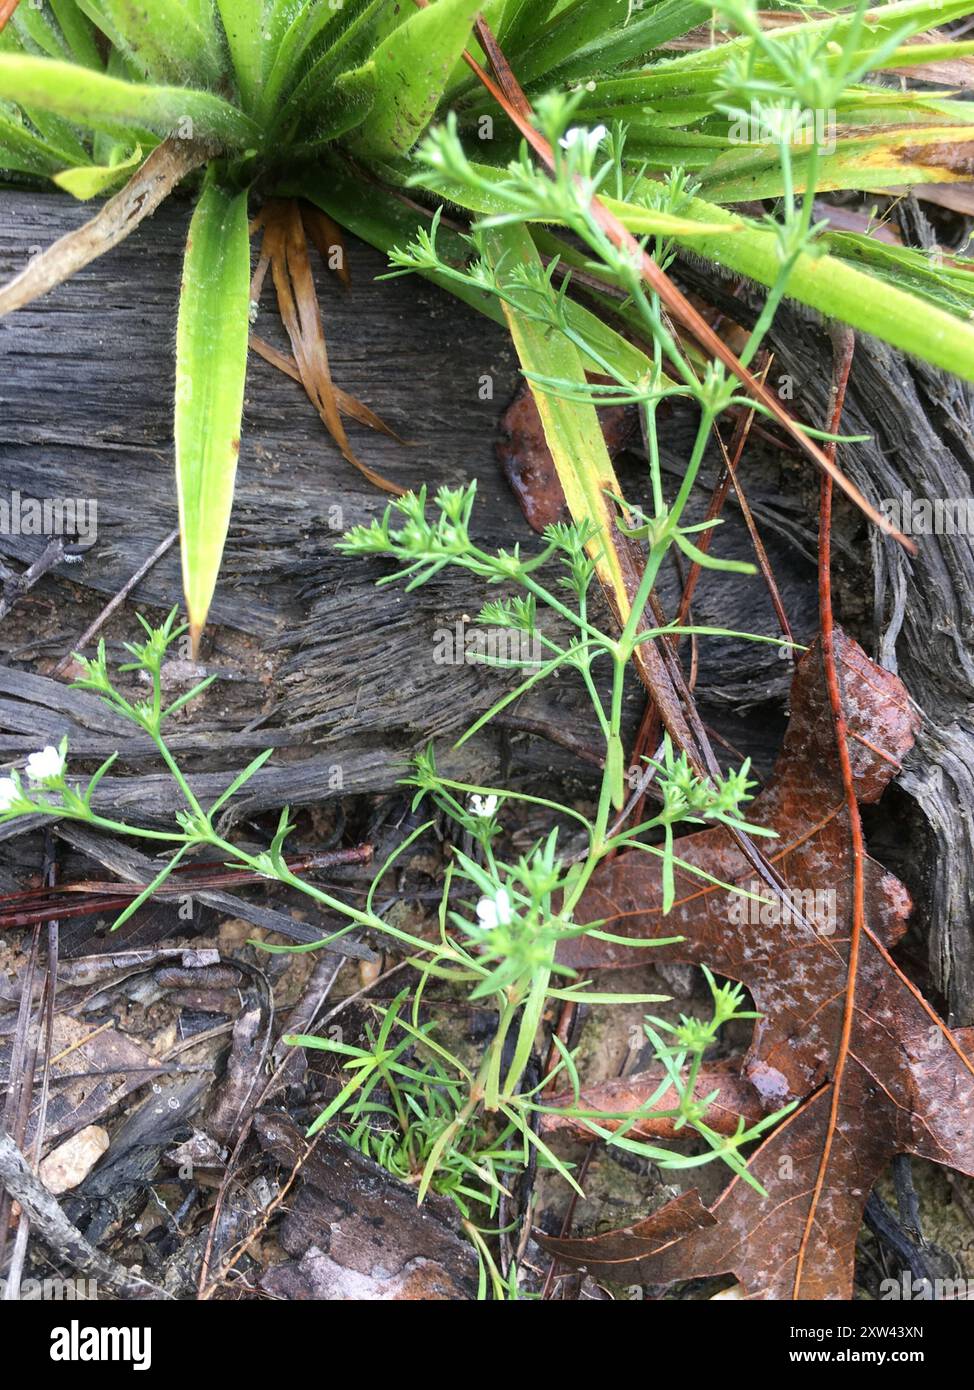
(152, 182)
(348, 404)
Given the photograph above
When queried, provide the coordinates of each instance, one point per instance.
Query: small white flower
(47, 763)
(484, 806)
(495, 911)
(578, 135)
(9, 793)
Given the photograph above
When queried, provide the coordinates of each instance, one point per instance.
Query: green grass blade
(572, 430)
(99, 102)
(835, 288)
(211, 366)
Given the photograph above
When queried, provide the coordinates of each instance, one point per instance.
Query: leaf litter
(909, 1083)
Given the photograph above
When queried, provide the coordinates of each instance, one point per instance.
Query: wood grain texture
(338, 672)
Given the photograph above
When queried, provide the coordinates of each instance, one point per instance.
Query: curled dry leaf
(908, 1085)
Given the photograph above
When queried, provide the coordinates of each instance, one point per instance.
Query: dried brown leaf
(908, 1084)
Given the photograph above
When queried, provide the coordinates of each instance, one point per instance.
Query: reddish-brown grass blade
(348, 404)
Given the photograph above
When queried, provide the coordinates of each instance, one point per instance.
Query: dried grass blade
(286, 246)
(347, 403)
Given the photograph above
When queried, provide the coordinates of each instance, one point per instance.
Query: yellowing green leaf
(91, 180)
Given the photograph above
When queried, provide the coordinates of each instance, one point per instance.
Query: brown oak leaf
(526, 461)
(908, 1085)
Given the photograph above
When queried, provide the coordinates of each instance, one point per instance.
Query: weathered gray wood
(340, 670)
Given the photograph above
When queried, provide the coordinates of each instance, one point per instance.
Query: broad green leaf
(521, 19)
(24, 150)
(493, 13)
(296, 34)
(572, 430)
(950, 286)
(52, 129)
(100, 102)
(595, 36)
(169, 41)
(315, 50)
(38, 34)
(282, 17)
(413, 65)
(243, 24)
(384, 222)
(352, 97)
(91, 180)
(211, 366)
(78, 31)
(869, 162)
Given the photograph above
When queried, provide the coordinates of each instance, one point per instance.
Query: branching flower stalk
(500, 921)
